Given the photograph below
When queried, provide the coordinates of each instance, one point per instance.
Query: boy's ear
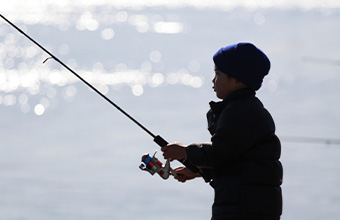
(240, 84)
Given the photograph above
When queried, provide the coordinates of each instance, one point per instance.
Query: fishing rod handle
(161, 142)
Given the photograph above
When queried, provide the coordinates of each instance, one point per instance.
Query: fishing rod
(156, 138)
(311, 140)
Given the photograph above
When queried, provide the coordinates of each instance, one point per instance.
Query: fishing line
(47, 59)
(156, 138)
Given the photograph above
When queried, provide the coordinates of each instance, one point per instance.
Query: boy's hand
(184, 174)
(174, 151)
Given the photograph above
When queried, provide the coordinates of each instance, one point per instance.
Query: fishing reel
(153, 165)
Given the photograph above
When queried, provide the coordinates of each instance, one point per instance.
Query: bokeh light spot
(122, 16)
(259, 19)
(137, 90)
(168, 27)
(156, 80)
(107, 34)
(39, 109)
(155, 56)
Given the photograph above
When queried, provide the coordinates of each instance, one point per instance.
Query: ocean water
(65, 153)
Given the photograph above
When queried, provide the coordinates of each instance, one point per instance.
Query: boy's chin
(218, 96)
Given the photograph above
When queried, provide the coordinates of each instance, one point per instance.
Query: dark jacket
(242, 162)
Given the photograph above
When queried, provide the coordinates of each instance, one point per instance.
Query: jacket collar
(217, 107)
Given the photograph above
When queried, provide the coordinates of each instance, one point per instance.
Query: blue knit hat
(243, 61)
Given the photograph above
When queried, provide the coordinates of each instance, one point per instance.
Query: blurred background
(65, 153)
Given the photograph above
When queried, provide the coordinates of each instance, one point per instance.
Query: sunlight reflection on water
(22, 74)
(21, 71)
(31, 82)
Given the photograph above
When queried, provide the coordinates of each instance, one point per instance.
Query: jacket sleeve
(194, 151)
(236, 132)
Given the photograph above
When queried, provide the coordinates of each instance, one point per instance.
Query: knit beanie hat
(243, 61)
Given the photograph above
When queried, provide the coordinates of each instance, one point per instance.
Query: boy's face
(223, 84)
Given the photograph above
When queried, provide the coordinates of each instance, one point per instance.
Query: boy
(242, 161)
